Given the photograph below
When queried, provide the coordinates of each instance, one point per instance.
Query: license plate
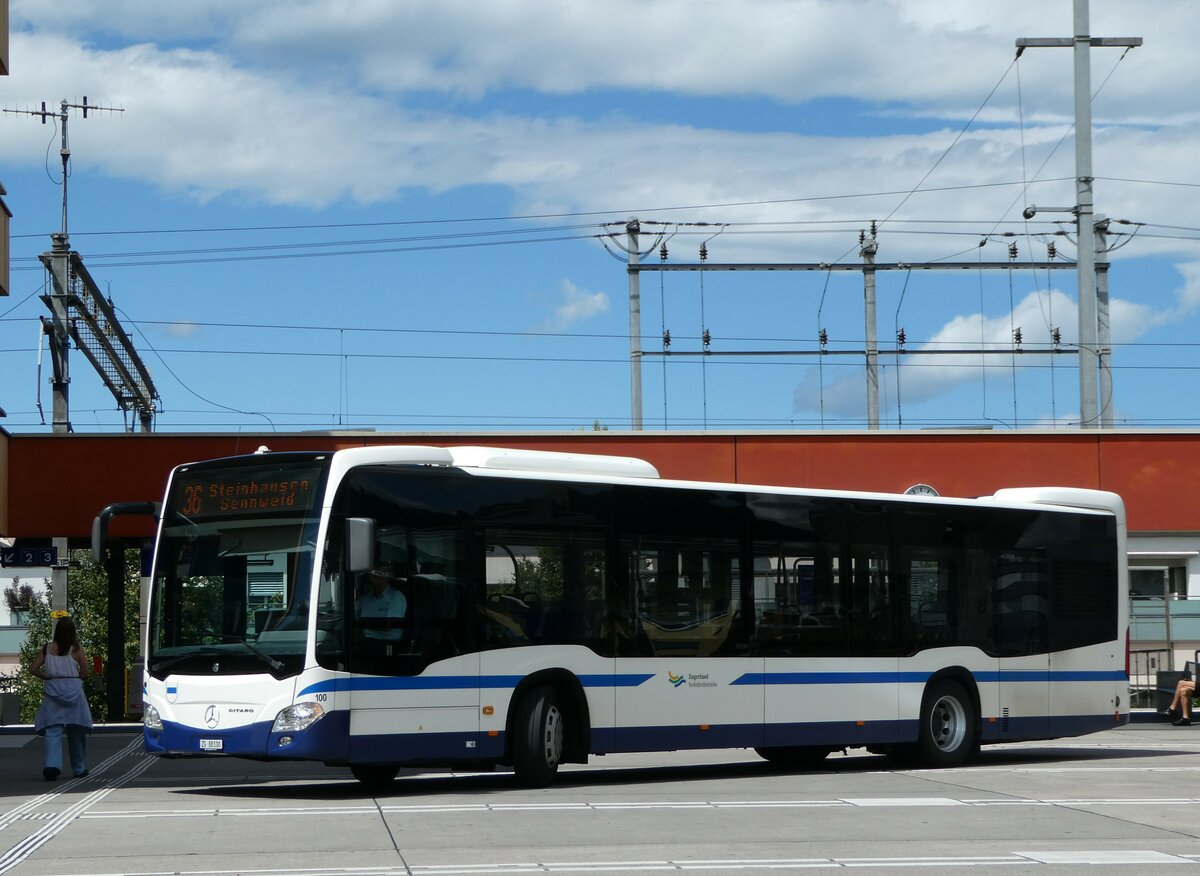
(212, 744)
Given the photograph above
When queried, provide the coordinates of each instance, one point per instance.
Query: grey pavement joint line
(392, 837)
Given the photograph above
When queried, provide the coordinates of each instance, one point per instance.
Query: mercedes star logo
(211, 717)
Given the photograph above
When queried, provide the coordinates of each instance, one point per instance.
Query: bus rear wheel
(949, 732)
(377, 777)
(539, 737)
(794, 757)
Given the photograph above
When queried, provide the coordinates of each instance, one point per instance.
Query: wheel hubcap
(553, 737)
(948, 724)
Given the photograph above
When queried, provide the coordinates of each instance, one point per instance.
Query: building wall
(54, 485)
(58, 483)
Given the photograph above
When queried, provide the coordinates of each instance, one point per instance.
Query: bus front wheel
(539, 736)
(949, 733)
(377, 777)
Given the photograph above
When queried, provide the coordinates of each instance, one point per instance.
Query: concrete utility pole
(5, 213)
(1103, 325)
(5, 217)
(868, 247)
(632, 229)
(80, 313)
(1089, 394)
(1089, 345)
(57, 329)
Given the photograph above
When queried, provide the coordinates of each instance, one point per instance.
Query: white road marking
(1111, 857)
(25, 847)
(20, 812)
(663, 805)
(1125, 856)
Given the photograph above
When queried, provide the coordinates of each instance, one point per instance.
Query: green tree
(87, 604)
(18, 596)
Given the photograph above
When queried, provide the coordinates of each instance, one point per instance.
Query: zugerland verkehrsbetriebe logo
(691, 679)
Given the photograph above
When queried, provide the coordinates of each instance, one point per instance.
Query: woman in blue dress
(63, 666)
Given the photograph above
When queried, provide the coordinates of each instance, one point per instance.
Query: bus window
(797, 601)
(1082, 582)
(1020, 602)
(871, 625)
(931, 618)
(330, 640)
(688, 595)
(544, 588)
(406, 612)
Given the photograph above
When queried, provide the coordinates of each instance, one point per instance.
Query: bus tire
(539, 737)
(377, 777)
(949, 731)
(794, 757)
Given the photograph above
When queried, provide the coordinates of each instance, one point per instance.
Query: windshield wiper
(215, 651)
(259, 653)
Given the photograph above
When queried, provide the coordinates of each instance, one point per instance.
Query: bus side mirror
(360, 544)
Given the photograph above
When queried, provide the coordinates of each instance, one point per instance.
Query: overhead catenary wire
(953, 143)
(183, 384)
(425, 244)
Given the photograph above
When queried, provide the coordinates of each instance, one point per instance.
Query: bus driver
(382, 601)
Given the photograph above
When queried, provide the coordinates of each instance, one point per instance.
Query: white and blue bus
(379, 607)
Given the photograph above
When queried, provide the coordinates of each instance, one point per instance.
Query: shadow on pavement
(415, 783)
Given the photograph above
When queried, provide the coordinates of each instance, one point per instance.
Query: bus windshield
(233, 567)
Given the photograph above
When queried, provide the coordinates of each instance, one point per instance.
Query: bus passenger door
(826, 628)
(546, 607)
(685, 677)
(415, 690)
(1021, 641)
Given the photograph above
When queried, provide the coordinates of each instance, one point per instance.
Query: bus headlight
(150, 718)
(295, 718)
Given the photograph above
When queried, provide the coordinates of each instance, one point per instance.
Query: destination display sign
(246, 490)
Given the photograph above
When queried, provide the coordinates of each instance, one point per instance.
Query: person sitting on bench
(1180, 710)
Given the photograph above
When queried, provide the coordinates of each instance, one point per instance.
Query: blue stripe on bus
(604, 680)
(1051, 676)
(832, 678)
(329, 739)
(458, 682)
(1004, 675)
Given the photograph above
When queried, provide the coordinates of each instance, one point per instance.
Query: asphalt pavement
(1122, 801)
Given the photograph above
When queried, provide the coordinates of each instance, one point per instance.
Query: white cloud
(576, 305)
(311, 105)
(927, 376)
(793, 50)
(183, 329)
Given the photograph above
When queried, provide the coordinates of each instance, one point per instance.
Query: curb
(27, 729)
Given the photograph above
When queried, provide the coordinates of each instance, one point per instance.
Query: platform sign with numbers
(28, 556)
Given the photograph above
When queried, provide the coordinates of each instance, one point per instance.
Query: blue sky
(392, 216)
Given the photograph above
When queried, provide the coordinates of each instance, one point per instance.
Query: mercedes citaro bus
(379, 607)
